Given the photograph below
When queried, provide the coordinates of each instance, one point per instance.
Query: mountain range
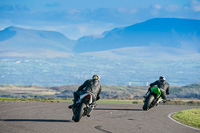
(182, 34)
(136, 55)
(15, 41)
(162, 32)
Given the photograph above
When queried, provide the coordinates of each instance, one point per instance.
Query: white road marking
(169, 116)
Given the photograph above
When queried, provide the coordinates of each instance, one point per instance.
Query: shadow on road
(35, 120)
(118, 109)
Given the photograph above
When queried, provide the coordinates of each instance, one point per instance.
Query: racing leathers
(90, 85)
(163, 86)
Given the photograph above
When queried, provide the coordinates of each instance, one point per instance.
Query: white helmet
(96, 77)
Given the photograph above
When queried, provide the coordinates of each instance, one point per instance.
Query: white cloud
(155, 9)
(172, 8)
(76, 22)
(75, 31)
(195, 5)
(121, 10)
(157, 6)
(82, 28)
(133, 11)
(73, 11)
(93, 28)
(54, 28)
(126, 10)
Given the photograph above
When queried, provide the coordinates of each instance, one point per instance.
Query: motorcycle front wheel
(148, 102)
(79, 112)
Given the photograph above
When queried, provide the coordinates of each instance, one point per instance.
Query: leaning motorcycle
(84, 106)
(153, 98)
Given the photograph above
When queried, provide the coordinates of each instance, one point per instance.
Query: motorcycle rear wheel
(148, 102)
(79, 113)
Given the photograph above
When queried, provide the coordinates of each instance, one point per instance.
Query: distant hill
(162, 32)
(108, 91)
(136, 55)
(168, 53)
(188, 91)
(15, 41)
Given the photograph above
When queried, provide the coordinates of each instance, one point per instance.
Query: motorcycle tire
(148, 102)
(79, 113)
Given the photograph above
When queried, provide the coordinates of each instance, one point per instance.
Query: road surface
(43, 117)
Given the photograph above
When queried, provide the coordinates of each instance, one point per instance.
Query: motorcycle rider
(163, 85)
(91, 85)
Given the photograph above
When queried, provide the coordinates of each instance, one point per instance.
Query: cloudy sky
(77, 18)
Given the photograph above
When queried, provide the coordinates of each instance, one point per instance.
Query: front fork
(147, 94)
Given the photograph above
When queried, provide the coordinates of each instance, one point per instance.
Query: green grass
(63, 100)
(190, 102)
(24, 99)
(106, 101)
(189, 117)
(110, 101)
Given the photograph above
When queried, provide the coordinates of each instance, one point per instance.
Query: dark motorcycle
(153, 98)
(84, 106)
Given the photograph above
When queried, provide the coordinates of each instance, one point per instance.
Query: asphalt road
(42, 117)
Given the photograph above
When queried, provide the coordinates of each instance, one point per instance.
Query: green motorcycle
(153, 98)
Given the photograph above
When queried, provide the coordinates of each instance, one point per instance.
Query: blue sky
(78, 18)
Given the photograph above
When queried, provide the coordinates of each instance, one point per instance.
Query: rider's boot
(70, 106)
(164, 100)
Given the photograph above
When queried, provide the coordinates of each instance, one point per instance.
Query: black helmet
(96, 77)
(162, 78)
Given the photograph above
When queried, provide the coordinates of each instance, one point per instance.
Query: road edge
(169, 116)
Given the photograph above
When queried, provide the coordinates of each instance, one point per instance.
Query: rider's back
(93, 86)
(163, 85)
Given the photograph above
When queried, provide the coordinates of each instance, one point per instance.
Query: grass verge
(108, 101)
(24, 99)
(190, 102)
(189, 117)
